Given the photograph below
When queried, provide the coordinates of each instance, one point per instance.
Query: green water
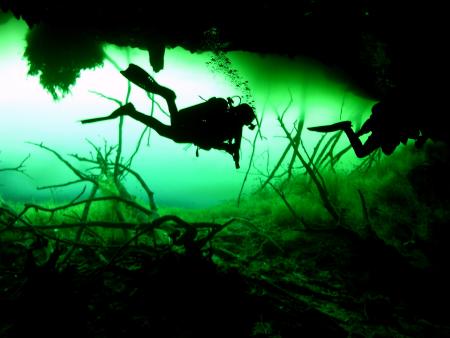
(172, 171)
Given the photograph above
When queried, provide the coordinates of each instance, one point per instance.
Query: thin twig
(106, 97)
(321, 188)
(97, 199)
(19, 168)
(70, 166)
(252, 155)
(297, 139)
(288, 205)
(60, 185)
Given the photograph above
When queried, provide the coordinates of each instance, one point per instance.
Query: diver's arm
(236, 146)
(230, 149)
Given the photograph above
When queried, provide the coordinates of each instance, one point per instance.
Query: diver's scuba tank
(210, 110)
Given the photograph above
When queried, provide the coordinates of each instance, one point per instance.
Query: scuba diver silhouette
(213, 124)
(388, 127)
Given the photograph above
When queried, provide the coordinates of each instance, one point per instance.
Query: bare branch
(324, 150)
(316, 170)
(297, 140)
(321, 188)
(152, 98)
(288, 205)
(106, 97)
(277, 166)
(19, 168)
(70, 166)
(316, 148)
(144, 185)
(251, 158)
(291, 100)
(364, 207)
(331, 150)
(59, 185)
(138, 145)
(78, 196)
(112, 61)
(97, 199)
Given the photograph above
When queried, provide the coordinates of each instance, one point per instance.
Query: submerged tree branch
(320, 188)
(288, 205)
(19, 168)
(29, 206)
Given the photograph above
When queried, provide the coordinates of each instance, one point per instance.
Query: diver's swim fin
(140, 77)
(331, 127)
(122, 110)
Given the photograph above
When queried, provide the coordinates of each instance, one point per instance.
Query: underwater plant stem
(330, 151)
(93, 224)
(316, 170)
(60, 185)
(83, 220)
(106, 97)
(190, 229)
(19, 168)
(70, 166)
(338, 156)
(248, 169)
(364, 207)
(293, 157)
(88, 204)
(144, 185)
(158, 105)
(79, 195)
(96, 199)
(320, 188)
(275, 169)
(138, 145)
(151, 96)
(324, 150)
(316, 148)
(112, 61)
(119, 151)
(297, 140)
(258, 132)
(288, 205)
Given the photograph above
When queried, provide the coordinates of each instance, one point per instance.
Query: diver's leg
(141, 78)
(169, 95)
(161, 128)
(366, 127)
(178, 135)
(361, 150)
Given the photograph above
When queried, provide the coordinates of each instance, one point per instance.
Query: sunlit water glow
(172, 171)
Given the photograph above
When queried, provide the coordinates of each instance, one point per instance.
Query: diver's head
(245, 114)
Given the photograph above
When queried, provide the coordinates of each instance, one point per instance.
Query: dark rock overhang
(348, 36)
(376, 44)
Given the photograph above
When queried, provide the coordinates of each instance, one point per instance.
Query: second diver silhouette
(387, 125)
(213, 124)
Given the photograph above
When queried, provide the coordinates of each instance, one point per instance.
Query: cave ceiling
(373, 43)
